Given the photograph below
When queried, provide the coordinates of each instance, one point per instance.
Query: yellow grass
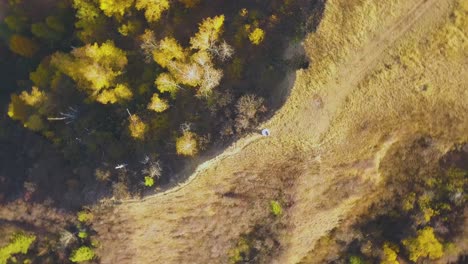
(371, 61)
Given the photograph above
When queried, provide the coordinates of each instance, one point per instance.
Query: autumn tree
(166, 83)
(167, 51)
(96, 69)
(390, 254)
(208, 33)
(121, 92)
(157, 104)
(187, 144)
(115, 7)
(42, 76)
(129, 28)
(137, 127)
(256, 36)
(425, 244)
(27, 107)
(153, 8)
(90, 19)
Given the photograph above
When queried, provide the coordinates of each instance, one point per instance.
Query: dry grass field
(381, 72)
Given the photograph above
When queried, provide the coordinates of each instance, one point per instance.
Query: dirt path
(198, 221)
(352, 72)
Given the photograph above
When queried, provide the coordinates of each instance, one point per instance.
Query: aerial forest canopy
(122, 94)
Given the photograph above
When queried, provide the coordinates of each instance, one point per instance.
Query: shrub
(356, 260)
(19, 243)
(85, 217)
(82, 234)
(275, 208)
(149, 181)
(82, 254)
(240, 252)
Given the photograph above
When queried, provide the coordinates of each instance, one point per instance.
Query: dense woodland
(104, 98)
(123, 94)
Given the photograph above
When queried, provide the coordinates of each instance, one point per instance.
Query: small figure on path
(265, 132)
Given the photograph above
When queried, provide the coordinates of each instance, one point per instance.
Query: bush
(19, 243)
(275, 208)
(82, 254)
(85, 217)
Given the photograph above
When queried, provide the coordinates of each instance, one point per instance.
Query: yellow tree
(208, 33)
(390, 254)
(95, 69)
(187, 145)
(424, 245)
(257, 36)
(190, 74)
(167, 51)
(148, 44)
(166, 83)
(115, 7)
(137, 127)
(153, 8)
(89, 19)
(157, 104)
(120, 93)
(26, 108)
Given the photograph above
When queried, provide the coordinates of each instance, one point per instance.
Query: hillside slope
(380, 71)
